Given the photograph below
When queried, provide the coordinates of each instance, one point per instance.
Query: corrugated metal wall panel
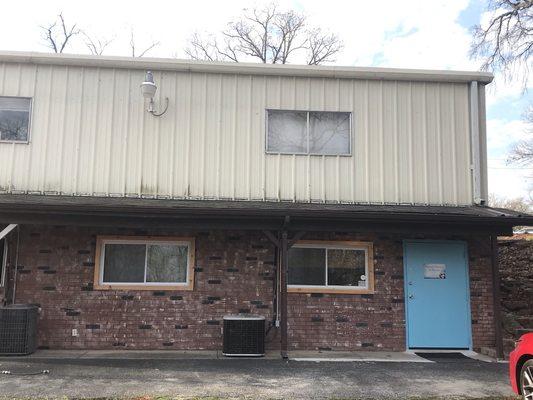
(90, 135)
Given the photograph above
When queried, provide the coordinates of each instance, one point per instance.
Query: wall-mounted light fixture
(148, 89)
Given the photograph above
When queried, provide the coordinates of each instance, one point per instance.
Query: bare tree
(517, 204)
(58, 34)
(268, 35)
(505, 43)
(96, 46)
(135, 52)
(522, 151)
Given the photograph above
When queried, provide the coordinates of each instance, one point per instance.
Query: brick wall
(234, 272)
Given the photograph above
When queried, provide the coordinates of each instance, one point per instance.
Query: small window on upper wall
(15, 119)
(309, 132)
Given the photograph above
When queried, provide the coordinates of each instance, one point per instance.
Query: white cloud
(506, 180)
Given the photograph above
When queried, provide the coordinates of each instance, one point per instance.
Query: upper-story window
(309, 132)
(15, 119)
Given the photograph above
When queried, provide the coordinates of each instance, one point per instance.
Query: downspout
(284, 262)
(475, 145)
(496, 298)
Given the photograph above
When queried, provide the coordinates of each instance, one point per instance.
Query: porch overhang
(256, 215)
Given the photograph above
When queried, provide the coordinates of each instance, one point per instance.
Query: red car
(521, 367)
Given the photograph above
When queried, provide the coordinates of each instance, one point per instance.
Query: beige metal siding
(90, 135)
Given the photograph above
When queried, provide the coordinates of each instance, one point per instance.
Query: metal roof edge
(169, 64)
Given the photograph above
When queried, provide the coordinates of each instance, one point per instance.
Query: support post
(496, 297)
(284, 262)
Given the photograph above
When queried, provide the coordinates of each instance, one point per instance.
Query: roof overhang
(255, 215)
(307, 71)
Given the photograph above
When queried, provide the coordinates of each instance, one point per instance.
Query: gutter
(307, 71)
(475, 144)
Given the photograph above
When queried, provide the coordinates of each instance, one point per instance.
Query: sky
(407, 34)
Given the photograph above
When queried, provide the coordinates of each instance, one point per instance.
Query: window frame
(30, 113)
(349, 154)
(368, 247)
(99, 268)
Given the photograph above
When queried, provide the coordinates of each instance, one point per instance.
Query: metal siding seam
(63, 129)
(30, 158)
(425, 141)
(156, 155)
(172, 189)
(46, 134)
(396, 145)
(92, 161)
(293, 159)
(12, 152)
(111, 133)
(249, 141)
(140, 150)
(265, 133)
(453, 145)
(367, 159)
(126, 138)
(381, 143)
(337, 160)
(352, 142)
(278, 171)
(218, 133)
(233, 135)
(78, 133)
(411, 150)
(439, 145)
(203, 130)
(188, 142)
(308, 157)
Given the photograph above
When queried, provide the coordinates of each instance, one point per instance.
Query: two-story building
(346, 205)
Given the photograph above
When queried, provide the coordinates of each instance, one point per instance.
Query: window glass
(14, 118)
(166, 263)
(329, 133)
(124, 262)
(287, 131)
(306, 266)
(309, 132)
(346, 267)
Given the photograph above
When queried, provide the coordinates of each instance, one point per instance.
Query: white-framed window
(331, 266)
(144, 263)
(15, 116)
(3, 261)
(309, 132)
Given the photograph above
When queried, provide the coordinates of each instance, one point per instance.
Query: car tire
(526, 380)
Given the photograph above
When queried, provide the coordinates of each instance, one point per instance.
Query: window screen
(309, 132)
(14, 119)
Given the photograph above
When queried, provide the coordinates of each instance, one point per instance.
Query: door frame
(406, 242)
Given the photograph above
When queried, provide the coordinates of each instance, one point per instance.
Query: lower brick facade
(234, 273)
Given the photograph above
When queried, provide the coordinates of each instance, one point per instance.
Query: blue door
(437, 295)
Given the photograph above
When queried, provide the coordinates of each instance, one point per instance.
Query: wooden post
(496, 297)
(284, 263)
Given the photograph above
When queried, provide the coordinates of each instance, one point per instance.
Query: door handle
(411, 296)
